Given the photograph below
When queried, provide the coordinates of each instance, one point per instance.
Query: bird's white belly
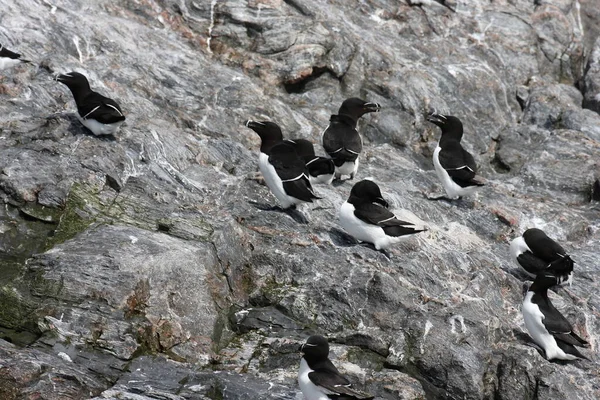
(453, 190)
(326, 179)
(363, 231)
(274, 183)
(99, 128)
(309, 389)
(6, 62)
(347, 168)
(533, 322)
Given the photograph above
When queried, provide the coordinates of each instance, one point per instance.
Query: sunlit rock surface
(144, 266)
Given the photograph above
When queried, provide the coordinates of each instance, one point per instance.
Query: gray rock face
(145, 266)
(592, 80)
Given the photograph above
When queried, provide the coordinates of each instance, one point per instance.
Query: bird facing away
(341, 140)
(9, 58)
(366, 217)
(101, 115)
(535, 252)
(319, 379)
(320, 169)
(546, 325)
(454, 166)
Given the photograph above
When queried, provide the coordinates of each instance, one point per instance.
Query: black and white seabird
(546, 325)
(98, 113)
(287, 176)
(319, 379)
(320, 169)
(285, 173)
(9, 58)
(366, 217)
(535, 252)
(455, 167)
(341, 140)
(270, 135)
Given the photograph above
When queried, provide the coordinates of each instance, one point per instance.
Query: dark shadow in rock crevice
(299, 85)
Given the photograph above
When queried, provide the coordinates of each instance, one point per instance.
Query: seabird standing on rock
(535, 252)
(285, 173)
(101, 115)
(270, 135)
(319, 379)
(287, 176)
(365, 216)
(455, 167)
(546, 325)
(9, 58)
(341, 139)
(321, 169)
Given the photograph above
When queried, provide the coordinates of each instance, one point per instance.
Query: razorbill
(341, 139)
(270, 134)
(454, 166)
(9, 58)
(366, 217)
(320, 169)
(98, 113)
(319, 379)
(287, 176)
(546, 325)
(535, 252)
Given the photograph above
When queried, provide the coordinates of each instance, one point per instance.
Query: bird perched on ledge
(100, 114)
(9, 58)
(285, 173)
(319, 379)
(454, 166)
(341, 140)
(535, 252)
(366, 217)
(546, 325)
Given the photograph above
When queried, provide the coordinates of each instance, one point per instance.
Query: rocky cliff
(145, 266)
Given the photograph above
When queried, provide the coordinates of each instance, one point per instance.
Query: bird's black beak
(253, 124)
(301, 348)
(372, 107)
(61, 78)
(433, 116)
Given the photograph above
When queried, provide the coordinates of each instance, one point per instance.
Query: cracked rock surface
(145, 266)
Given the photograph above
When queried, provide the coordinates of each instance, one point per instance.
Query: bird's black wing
(459, 164)
(531, 263)
(101, 108)
(542, 246)
(293, 174)
(336, 384)
(319, 165)
(569, 349)
(376, 214)
(571, 338)
(4, 52)
(342, 142)
(553, 320)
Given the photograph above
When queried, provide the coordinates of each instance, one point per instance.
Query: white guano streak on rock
(579, 27)
(166, 165)
(213, 3)
(65, 357)
(461, 320)
(428, 326)
(361, 324)
(52, 6)
(76, 42)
